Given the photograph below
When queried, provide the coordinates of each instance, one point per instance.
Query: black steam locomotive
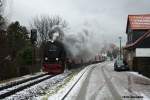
(54, 57)
(57, 58)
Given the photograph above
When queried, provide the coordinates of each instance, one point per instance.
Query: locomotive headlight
(57, 59)
(46, 58)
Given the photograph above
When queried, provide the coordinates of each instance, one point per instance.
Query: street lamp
(120, 45)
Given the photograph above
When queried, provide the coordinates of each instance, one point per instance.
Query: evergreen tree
(17, 37)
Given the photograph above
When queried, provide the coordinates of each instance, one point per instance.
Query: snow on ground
(75, 91)
(104, 94)
(140, 79)
(55, 88)
(128, 81)
(110, 63)
(20, 85)
(73, 94)
(139, 75)
(15, 80)
(96, 82)
(145, 97)
(38, 89)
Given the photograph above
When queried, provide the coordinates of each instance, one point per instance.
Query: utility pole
(120, 45)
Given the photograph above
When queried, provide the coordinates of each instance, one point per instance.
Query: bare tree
(2, 19)
(47, 25)
(1, 4)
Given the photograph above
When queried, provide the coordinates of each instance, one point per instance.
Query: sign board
(143, 52)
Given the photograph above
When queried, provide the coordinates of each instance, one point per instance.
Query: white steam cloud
(85, 44)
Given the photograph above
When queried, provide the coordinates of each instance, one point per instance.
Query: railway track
(71, 88)
(19, 81)
(24, 84)
(15, 87)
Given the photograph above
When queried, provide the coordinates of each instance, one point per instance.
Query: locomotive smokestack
(55, 36)
(55, 33)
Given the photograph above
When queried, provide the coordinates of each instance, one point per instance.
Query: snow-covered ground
(18, 79)
(129, 83)
(52, 89)
(38, 89)
(139, 78)
(72, 95)
(20, 85)
(99, 82)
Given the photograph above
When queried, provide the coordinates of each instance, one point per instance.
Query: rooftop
(136, 22)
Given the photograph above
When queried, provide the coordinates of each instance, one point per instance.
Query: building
(137, 49)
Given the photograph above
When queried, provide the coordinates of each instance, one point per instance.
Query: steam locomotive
(57, 58)
(54, 61)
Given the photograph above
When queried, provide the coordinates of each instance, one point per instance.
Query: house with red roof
(137, 49)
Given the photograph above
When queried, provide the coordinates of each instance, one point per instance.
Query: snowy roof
(136, 22)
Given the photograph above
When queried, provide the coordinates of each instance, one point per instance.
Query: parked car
(120, 65)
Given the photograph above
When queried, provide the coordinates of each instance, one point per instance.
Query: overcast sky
(105, 17)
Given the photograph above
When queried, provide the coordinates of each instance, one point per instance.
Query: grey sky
(105, 17)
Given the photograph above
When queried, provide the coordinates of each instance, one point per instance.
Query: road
(103, 83)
